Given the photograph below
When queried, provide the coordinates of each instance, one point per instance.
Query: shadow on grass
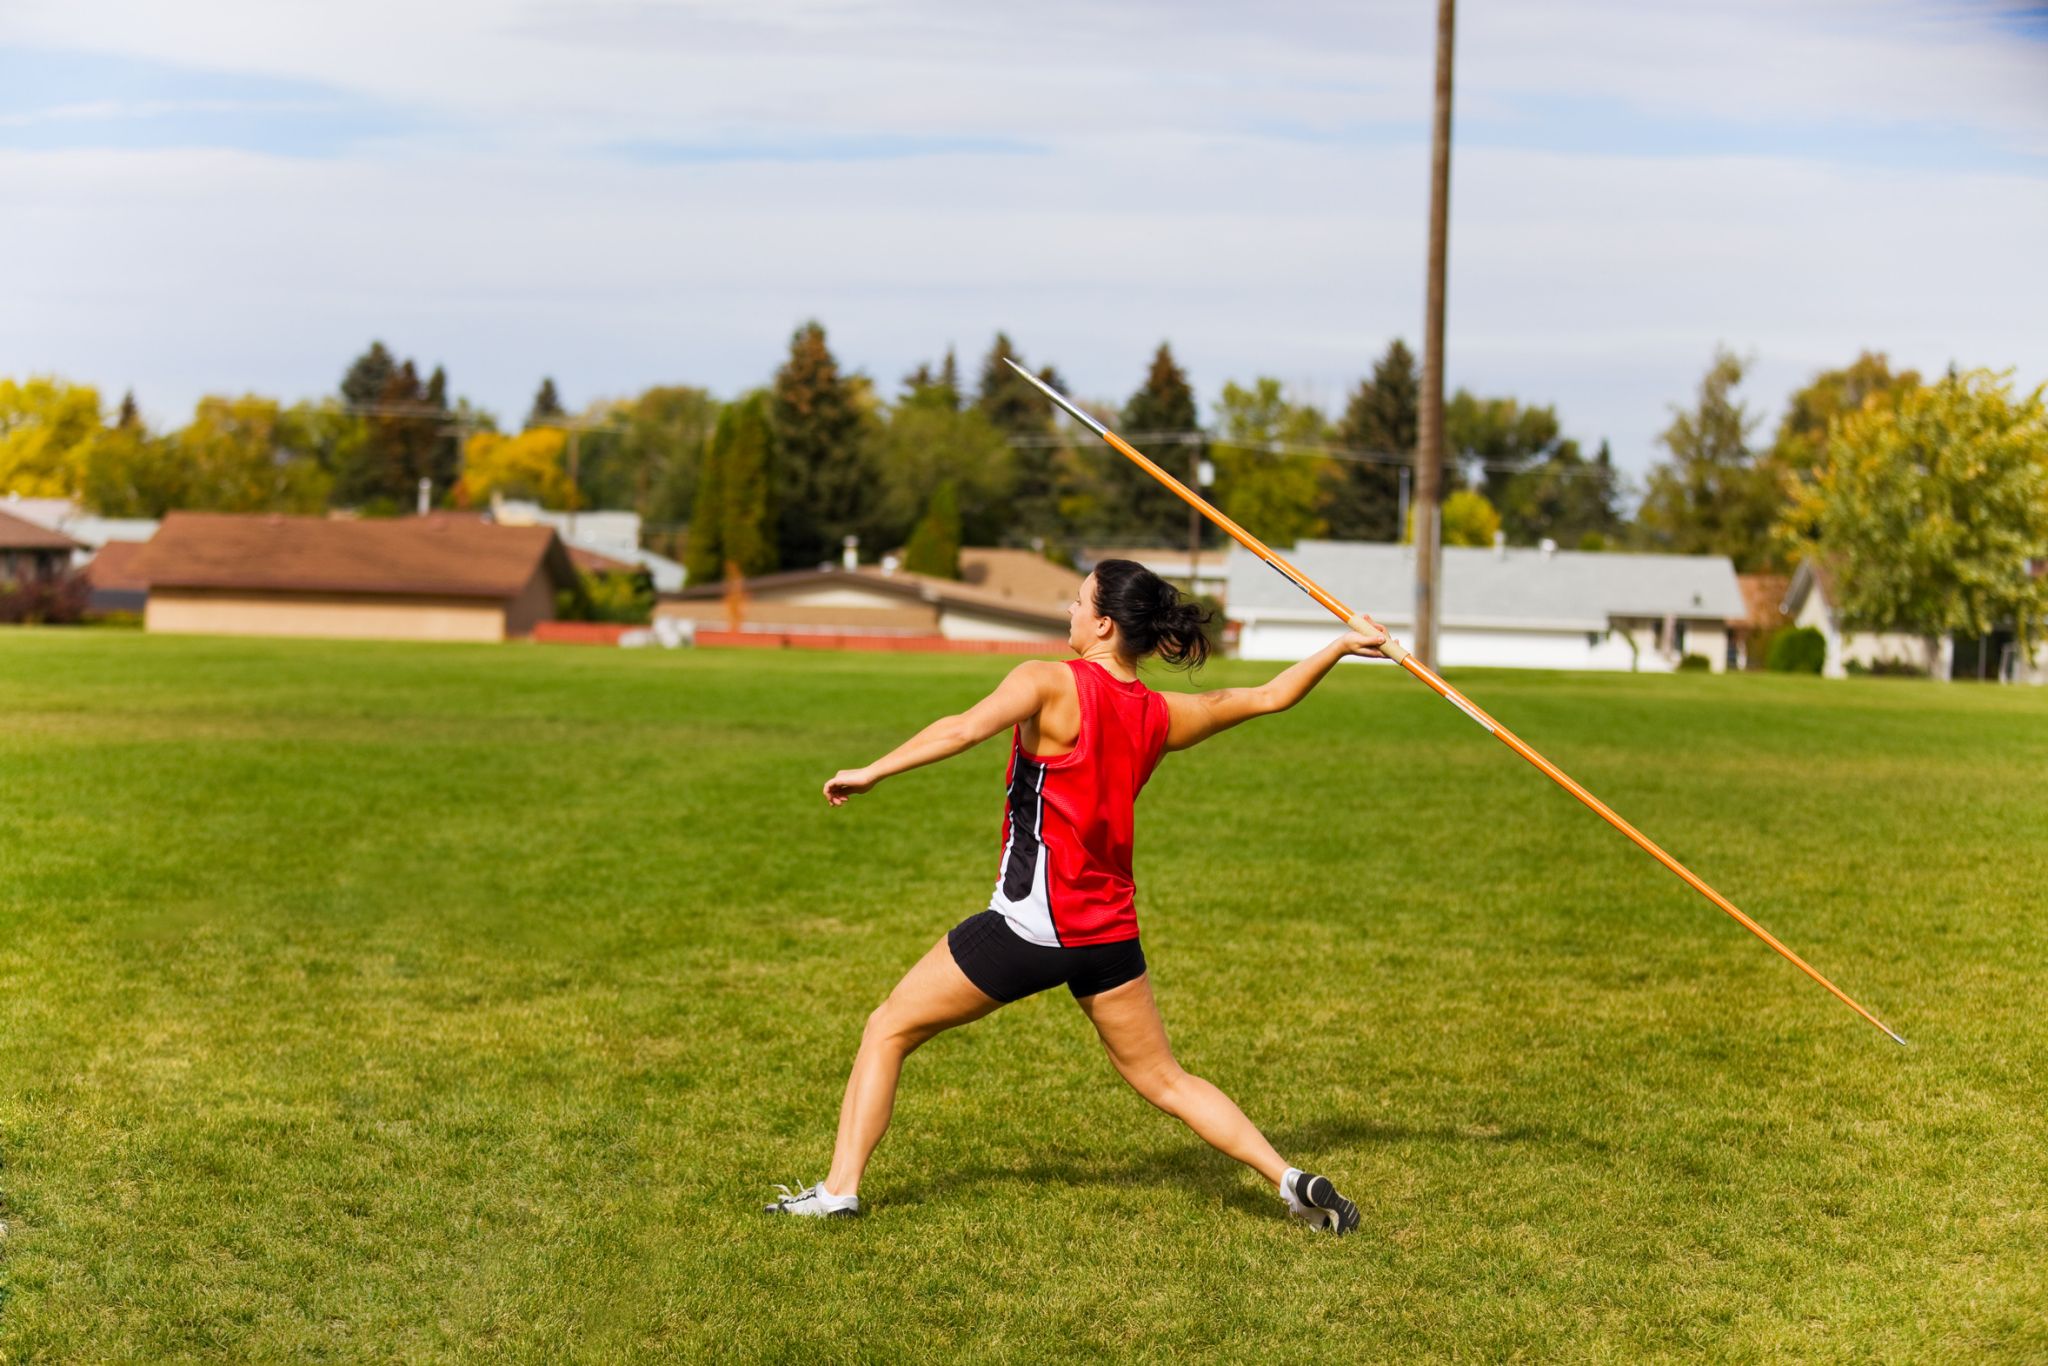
(1190, 1163)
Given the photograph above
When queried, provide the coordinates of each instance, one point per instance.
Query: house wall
(535, 603)
(960, 624)
(1866, 647)
(895, 617)
(332, 615)
(1505, 648)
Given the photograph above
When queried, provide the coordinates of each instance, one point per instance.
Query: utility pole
(1430, 428)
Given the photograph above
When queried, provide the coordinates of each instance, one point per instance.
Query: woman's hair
(1151, 613)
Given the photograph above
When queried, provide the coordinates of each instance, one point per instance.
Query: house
(425, 578)
(615, 534)
(1500, 606)
(89, 530)
(31, 552)
(1022, 576)
(111, 581)
(1763, 601)
(1207, 574)
(867, 602)
(1811, 600)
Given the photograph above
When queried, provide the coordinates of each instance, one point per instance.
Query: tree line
(1870, 466)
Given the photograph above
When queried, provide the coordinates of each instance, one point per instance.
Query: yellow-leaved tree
(528, 465)
(232, 460)
(47, 429)
(1468, 519)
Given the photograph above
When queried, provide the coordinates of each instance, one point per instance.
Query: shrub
(1800, 650)
(624, 598)
(50, 602)
(1695, 664)
(1897, 668)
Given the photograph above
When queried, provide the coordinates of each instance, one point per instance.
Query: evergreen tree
(1026, 418)
(547, 405)
(1007, 399)
(130, 418)
(1380, 420)
(940, 387)
(1147, 510)
(824, 481)
(733, 521)
(704, 556)
(935, 546)
(367, 375)
(749, 492)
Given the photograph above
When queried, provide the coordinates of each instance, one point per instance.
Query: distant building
(32, 552)
(426, 578)
(88, 529)
(1207, 574)
(1811, 600)
(1021, 576)
(607, 532)
(1505, 606)
(1763, 601)
(112, 582)
(836, 601)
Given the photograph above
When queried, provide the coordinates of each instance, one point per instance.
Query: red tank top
(1066, 872)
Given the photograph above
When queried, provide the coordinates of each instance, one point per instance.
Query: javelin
(1393, 650)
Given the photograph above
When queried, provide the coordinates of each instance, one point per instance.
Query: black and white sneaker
(815, 1202)
(1314, 1201)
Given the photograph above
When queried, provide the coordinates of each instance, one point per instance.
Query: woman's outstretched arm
(1026, 690)
(1194, 717)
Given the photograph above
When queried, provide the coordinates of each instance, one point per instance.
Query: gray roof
(1564, 589)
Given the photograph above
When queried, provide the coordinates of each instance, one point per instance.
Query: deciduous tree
(1711, 497)
(527, 465)
(47, 430)
(234, 460)
(1276, 494)
(935, 545)
(1932, 509)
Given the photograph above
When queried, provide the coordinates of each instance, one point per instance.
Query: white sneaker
(814, 1202)
(1314, 1201)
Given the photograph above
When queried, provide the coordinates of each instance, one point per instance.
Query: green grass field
(391, 1002)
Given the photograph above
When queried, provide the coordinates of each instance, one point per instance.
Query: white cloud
(1178, 197)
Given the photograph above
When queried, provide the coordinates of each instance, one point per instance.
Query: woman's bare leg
(1128, 1020)
(933, 997)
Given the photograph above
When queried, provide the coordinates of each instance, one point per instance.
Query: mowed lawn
(372, 1002)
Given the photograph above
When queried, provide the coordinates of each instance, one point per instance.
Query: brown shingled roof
(412, 557)
(112, 568)
(19, 533)
(901, 583)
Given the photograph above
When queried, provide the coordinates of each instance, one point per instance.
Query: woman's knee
(888, 1027)
(1160, 1083)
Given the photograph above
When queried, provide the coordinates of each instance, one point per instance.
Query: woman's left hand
(848, 782)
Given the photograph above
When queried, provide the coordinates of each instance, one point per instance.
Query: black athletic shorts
(1010, 967)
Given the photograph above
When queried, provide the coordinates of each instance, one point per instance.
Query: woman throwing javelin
(1086, 736)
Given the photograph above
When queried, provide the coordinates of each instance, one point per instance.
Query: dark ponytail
(1151, 614)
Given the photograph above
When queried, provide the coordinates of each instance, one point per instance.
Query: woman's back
(1069, 827)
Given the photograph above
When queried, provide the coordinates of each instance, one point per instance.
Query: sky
(231, 196)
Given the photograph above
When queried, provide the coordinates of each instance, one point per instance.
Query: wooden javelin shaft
(1396, 652)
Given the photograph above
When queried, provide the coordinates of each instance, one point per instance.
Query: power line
(1314, 449)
